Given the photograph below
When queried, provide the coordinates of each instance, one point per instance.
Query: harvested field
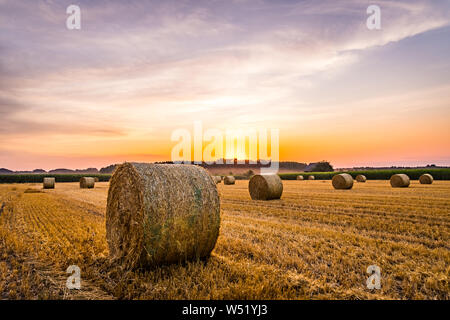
(313, 243)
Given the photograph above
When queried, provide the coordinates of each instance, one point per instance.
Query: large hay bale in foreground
(161, 213)
(87, 183)
(311, 177)
(300, 177)
(426, 178)
(361, 178)
(229, 180)
(49, 183)
(342, 181)
(400, 181)
(265, 187)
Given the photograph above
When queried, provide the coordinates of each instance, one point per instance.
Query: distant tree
(88, 170)
(323, 166)
(108, 169)
(62, 170)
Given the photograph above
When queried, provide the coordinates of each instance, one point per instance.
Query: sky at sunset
(136, 71)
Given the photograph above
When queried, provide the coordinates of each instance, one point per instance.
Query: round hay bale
(217, 179)
(300, 178)
(87, 183)
(229, 180)
(342, 181)
(399, 181)
(96, 179)
(265, 187)
(49, 183)
(361, 178)
(161, 213)
(311, 177)
(426, 179)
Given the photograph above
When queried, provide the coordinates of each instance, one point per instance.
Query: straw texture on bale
(265, 187)
(300, 178)
(311, 178)
(361, 178)
(426, 179)
(342, 181)
(87, 183)
(229, 180)
(400, 181)
(161, 213)
(49, 183)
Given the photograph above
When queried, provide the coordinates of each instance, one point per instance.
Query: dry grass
(316, 242)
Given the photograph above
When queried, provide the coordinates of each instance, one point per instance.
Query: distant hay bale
(161, 213)
(49, 183)
(96, 179)
(265, 187)
(342, 181)
(87, 183)
(229, 180)
(361, 178)
(217, 179)
(426, 178)
(399, 181)
(300, 177)
(311, 177)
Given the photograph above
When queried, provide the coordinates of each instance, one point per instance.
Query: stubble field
(314, 243)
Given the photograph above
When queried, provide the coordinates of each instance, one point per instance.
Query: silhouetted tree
(323, 166)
